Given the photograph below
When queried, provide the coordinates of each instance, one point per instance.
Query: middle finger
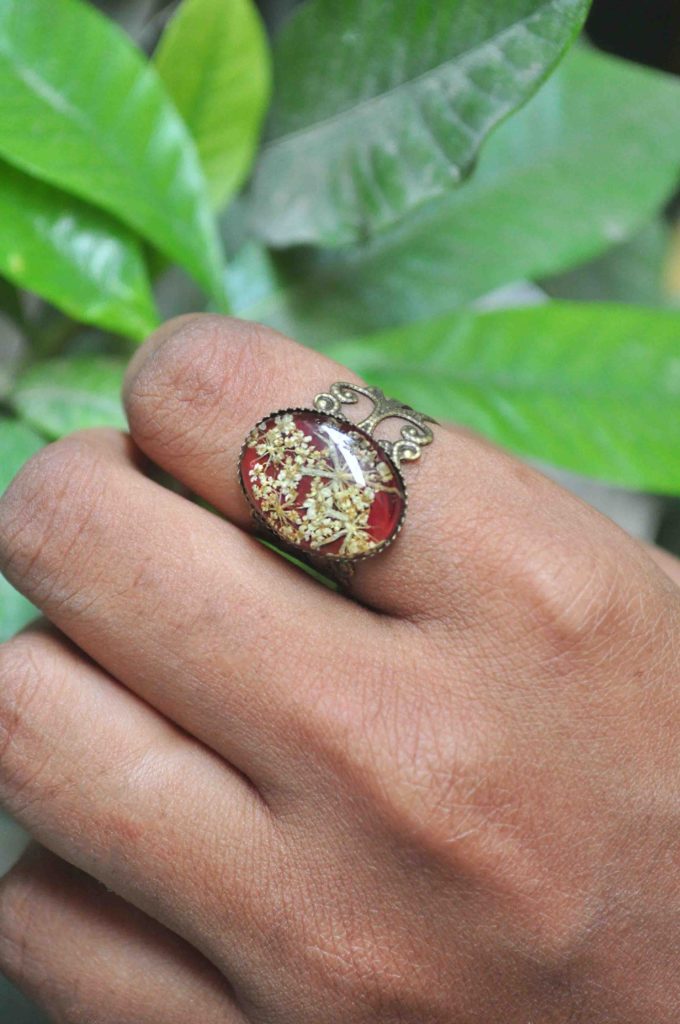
(186, 610)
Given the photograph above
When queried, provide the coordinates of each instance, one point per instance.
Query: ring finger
(119, 792)
(201, 383)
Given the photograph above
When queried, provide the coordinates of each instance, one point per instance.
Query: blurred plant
(414, 166)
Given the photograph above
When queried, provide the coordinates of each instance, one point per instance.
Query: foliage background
(505, 259)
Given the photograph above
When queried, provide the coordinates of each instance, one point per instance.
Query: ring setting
(324, 487)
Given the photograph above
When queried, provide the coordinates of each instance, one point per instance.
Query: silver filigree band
(415, 434)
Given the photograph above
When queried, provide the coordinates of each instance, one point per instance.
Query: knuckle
(440, 797)
(562, 599)
(180, 370)
(555, 580)
(423, 771)
(21, 506)
(45, 510)
(581, 605)
(32, 902)
(207, 362)
(17, 912)
(24, 670)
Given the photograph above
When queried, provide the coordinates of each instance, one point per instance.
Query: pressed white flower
(336, 506)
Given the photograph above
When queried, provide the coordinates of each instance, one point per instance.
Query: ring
(323, 487)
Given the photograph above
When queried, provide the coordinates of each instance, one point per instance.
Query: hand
(451, 801)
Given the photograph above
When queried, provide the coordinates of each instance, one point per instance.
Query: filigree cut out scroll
(415, 434)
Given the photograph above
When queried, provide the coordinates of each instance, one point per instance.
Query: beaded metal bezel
(414, 436)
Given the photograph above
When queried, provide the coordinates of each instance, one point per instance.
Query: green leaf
(59, 396)
(380, 107)
(13, 841)
(16, 611)
(595, 389)
(254, 283)
(582, 167)
(9, 300)
(276, 12)
(82, 109)
(214, 60)
(17, 444)
(12, 352)
(672, 268)
(75, 256)
(631, 272)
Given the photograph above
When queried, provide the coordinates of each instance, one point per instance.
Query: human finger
(83, 954)
(201, 383)
(666, 561)
(108, 784)
(475, 514)
(184, 609)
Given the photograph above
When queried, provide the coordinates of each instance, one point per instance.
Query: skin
(449, 799)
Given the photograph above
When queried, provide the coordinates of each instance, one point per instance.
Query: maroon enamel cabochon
(321, 484)
(326, 486)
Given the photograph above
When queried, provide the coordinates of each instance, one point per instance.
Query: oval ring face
(322, 485)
